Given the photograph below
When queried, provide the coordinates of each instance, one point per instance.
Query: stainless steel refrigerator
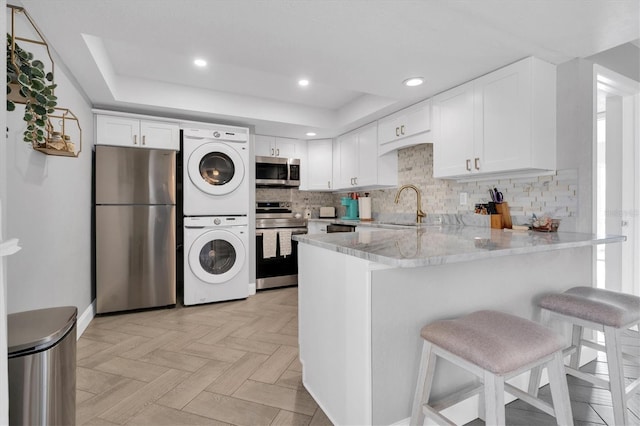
(135, 245)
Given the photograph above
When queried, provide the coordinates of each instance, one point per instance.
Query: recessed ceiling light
(311, 134)
(200, 62)
(413, 81)
(303, 82)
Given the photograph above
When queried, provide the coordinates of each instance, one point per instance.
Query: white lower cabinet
(133, 132)
(316, 227)
(501, 123)
(357, 164)
(318, 166)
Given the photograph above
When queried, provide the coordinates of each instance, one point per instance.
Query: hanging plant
(30, 84)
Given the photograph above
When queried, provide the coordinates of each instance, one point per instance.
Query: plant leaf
(37, 72)
(37, 85)
(49, 76)
(39, 110)
(24, 80)
(10, 106)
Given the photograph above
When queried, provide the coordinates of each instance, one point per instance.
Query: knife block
(496, 221)
(503, 211)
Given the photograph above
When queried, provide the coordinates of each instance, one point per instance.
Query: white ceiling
(136, 55)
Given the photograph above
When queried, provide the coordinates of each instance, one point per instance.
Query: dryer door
(216, 256)
(216, 168)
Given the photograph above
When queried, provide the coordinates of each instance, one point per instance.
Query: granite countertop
(425, 245)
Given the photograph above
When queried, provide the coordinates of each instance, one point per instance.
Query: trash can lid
(39, 329)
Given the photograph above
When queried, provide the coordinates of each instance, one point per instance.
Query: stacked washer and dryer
(215, 201)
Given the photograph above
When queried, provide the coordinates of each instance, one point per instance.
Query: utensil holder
(503, 210)
(496, 221)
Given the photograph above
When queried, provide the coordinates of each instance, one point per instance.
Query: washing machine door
(216, 256)
(216, 168)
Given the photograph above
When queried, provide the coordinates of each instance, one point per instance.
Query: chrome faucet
(419, 213)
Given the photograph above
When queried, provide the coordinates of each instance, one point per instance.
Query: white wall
(624, 59)
(4, 397)
(576, 132)
(48, 207)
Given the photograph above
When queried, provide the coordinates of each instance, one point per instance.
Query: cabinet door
(265, 146)
(389, 128)
(348, 166)
(287, 148)
(320, 165)
(453, 126)
(417, 119)
(118, 131)
(367, 156)
(159, 135)
(504, 143)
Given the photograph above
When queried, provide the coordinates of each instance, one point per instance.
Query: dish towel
(269, 243)
(285, 242)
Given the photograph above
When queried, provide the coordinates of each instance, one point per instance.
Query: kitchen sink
(401, 223)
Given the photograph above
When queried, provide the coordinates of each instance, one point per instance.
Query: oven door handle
(294, 231)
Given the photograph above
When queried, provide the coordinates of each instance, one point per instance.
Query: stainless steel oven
(275, 222)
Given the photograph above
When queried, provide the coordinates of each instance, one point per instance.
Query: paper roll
(364, 207)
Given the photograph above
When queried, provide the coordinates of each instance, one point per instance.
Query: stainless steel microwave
(276, 171)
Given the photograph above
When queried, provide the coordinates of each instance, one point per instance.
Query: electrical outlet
(463, 198)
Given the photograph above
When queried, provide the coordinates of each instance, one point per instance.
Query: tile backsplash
(555, 194)
(298, 199)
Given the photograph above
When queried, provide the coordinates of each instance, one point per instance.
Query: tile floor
(233, 363)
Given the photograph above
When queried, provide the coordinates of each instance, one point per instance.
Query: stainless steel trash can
(42, 366)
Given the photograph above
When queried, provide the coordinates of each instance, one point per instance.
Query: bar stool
(607, 311)
(495, 347)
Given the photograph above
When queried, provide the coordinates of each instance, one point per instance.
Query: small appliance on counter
(327, 212)
(364, 207)
(351, 203)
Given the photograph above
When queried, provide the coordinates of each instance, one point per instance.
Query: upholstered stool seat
(495, 346)
(610, 312)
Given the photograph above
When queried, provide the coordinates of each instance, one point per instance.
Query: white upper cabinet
(454, 114)
(357, 164)
(271, 146)
(318, 166)
(502, 123)
(133, 132)
(405, 128)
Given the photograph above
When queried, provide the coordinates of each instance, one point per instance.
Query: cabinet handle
(476, 163)
(277, 152)
(397, 131)
(144, 139)
(135, 139)
(355, 180)
(273, 152)
(468, 165)
(329, 184)
(402, 129)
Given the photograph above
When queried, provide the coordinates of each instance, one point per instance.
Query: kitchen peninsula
(364, 296)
